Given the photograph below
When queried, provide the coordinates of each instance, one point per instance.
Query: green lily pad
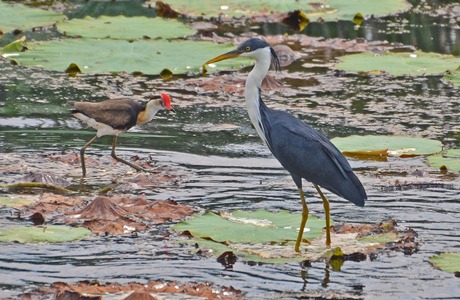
(380, 238)
(264, 236)
(250, 227)
(43, 234)
(121, 27)
(387, 145)
(327, 10)
(453, 77)
(17, 16)
(416, 63)
(15, 202)
(107, 55)
(448, 262)
(450, 159)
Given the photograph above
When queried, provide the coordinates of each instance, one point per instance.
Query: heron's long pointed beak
(228, 55)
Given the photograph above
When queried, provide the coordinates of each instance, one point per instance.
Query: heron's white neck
(253, 85)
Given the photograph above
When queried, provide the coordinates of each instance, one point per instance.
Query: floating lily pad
(43, 234)
(250, 227)
(121, 27)
(270, 237)
(107, 55)
(450, 159)
(448, 262)
(327, 10)
(453, 77)
(382, 145)
(15, 201)
(17, 16)
(416, 63)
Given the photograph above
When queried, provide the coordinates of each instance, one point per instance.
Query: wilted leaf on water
(14, 47)
(37, 218)
(121, 27)
(164, 10)
(296, 20)
(166, 73)
(401, 146)
(450, 159)
(122, 214)
(47, 178)
(72, 70)
(43, 234)
(313, 9)
(402, 63)
(17, 16)
(358, 19)
(107, 55)
(114, 290)
(103, 209)
(448, 262)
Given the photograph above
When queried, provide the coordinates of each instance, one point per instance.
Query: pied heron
(114, 116)
(301, 150)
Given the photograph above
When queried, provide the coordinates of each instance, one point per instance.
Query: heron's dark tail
(351, 189)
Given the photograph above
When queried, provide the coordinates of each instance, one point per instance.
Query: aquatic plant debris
(264, 236)
(119, 214)
(155, 289)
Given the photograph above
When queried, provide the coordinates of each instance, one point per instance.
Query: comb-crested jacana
(114, 116)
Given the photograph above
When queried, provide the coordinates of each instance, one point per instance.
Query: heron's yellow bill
(231, 54)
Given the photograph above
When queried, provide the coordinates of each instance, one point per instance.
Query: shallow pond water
(222, 165)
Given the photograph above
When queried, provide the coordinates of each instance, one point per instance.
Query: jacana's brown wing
(120, 114)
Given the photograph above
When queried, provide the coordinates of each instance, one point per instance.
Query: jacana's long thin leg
(304, 220)
(137, 168)
(82, 154)
(327, 212)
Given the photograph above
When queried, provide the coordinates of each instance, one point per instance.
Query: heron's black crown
(252, 45)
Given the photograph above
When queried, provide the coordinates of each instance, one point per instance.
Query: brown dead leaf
(96, 290)
(161, 211)
(54, 204)
(119, 214)
(164, 10)
(140, 295)
(37, 218)
(366, 229)
(102, 208)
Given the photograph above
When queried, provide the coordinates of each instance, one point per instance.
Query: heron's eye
(248, 49)
(161, 103)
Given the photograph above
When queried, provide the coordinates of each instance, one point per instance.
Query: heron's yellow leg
(303, 222)
(137, 168)
(82, 154)
(327, 212)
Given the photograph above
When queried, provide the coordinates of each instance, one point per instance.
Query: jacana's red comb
(166, 100)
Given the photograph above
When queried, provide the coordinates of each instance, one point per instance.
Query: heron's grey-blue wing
(306, 153)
